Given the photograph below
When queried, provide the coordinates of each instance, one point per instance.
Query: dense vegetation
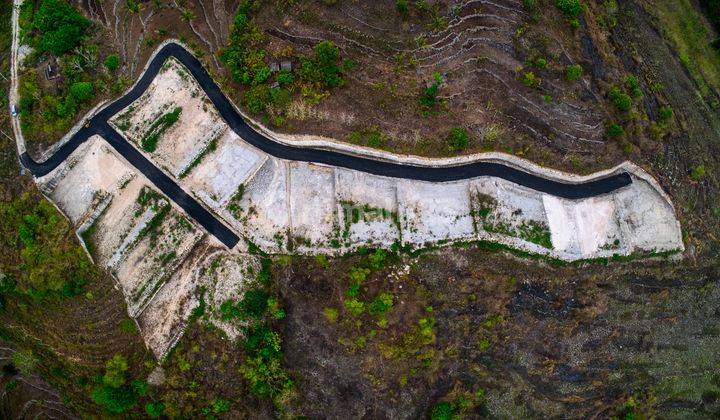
(48, 108)
(39, 261)
(269, 93)
(59, 27)
(113, 391)
(263, 363)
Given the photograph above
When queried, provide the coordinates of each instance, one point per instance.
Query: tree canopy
(61, 27)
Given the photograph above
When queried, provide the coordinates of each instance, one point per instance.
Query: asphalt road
(99, 125)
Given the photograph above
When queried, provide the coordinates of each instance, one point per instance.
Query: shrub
(698, 173)
(331, 314)
(154, 409)
(37, 234)
(257, 98)
(262, 367)
(285, 78)
(615, 130)
(570, 8)
(81, 91)
(530, 80)
(354, 306)
(459, 139)
(442, 411)
(254, 303)
(112, 62)
(428, 97)
(381, 304)
(712, 10)
(323, 68)
(402, 7)
(112, 393)
(620, 99)
(633, 86)
(115, 369)
(573, 72)
(24, 361)
(541, 63)
(665, 113)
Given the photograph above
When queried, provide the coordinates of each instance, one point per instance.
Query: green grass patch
(150, 140)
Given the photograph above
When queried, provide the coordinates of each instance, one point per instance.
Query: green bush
(262, 366)
(665, 113)
(81, 91)
(285, 78)
(712, 10)
(541, 63)
(242, 55)
(573, 72)
(61, 27)
(254, 303)
(633, 86)
(112, 392)
(698, 173)
(428, 98)
(323, 68)
(615, 130)
(530, 80)
(24, 361)
(570, 8)
(620, 99)
(402, 7)
(459, 139)
(381, 304)
(154, 409)
(115, 370)
(112, 62)
(443, 411)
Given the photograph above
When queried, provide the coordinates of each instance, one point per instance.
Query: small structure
(274, 67)
(51, 69)
(286, 65)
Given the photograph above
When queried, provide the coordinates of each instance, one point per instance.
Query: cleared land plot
(92, 171)
(367, 208)
(218, 177)
(312, 204)
(434, 212)
(261, 211)
(179, 144)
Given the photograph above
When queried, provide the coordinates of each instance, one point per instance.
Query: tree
(115, 369)
(442, 411)
(620, 99)
(61, 28)
(81, 91)
(570, 8)
(573, 72)
(323, 68)
(112, 62)
(155, 409)
(615, 130)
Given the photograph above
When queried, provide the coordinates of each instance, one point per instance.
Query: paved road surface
(99, 125)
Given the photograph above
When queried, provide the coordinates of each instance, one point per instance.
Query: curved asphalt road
(99, 125)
